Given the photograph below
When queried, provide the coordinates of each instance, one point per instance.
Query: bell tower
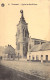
(22, 36)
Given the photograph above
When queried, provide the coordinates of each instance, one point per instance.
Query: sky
(37, 17)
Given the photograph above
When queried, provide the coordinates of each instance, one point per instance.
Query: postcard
(25, 40)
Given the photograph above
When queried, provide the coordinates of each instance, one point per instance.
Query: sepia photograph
(25, 40)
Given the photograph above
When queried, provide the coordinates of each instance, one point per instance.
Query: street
(11, 74)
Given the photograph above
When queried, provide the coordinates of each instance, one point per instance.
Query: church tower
(22, 37)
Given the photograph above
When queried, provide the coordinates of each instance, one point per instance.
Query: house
(38, 50)
(9, 53)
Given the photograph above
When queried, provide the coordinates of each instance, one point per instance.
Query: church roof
(38, 39)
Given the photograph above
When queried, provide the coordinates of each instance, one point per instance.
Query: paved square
(41, 70)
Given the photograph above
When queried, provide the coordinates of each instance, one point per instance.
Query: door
(29, 57)
(33, 57)
(46, 57)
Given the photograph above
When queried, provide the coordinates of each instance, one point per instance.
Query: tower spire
(21, 11)
(22, 17)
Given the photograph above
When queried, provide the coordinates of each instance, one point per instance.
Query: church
(30, 48)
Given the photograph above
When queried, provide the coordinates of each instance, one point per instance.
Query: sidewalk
(32, 68)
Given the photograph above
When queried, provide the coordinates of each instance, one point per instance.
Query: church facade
(27, 46)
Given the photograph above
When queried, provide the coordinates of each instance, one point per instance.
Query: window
(24, 33)
(29, 46)
(18, 46)
(36, 42)
(11, 56)
(18, 32)
(37, 57)
(41, 55)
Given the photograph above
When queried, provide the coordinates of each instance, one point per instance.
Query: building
(38, 50)
(32, 48)
(22, 37)
(9, 53)
(42, 56)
